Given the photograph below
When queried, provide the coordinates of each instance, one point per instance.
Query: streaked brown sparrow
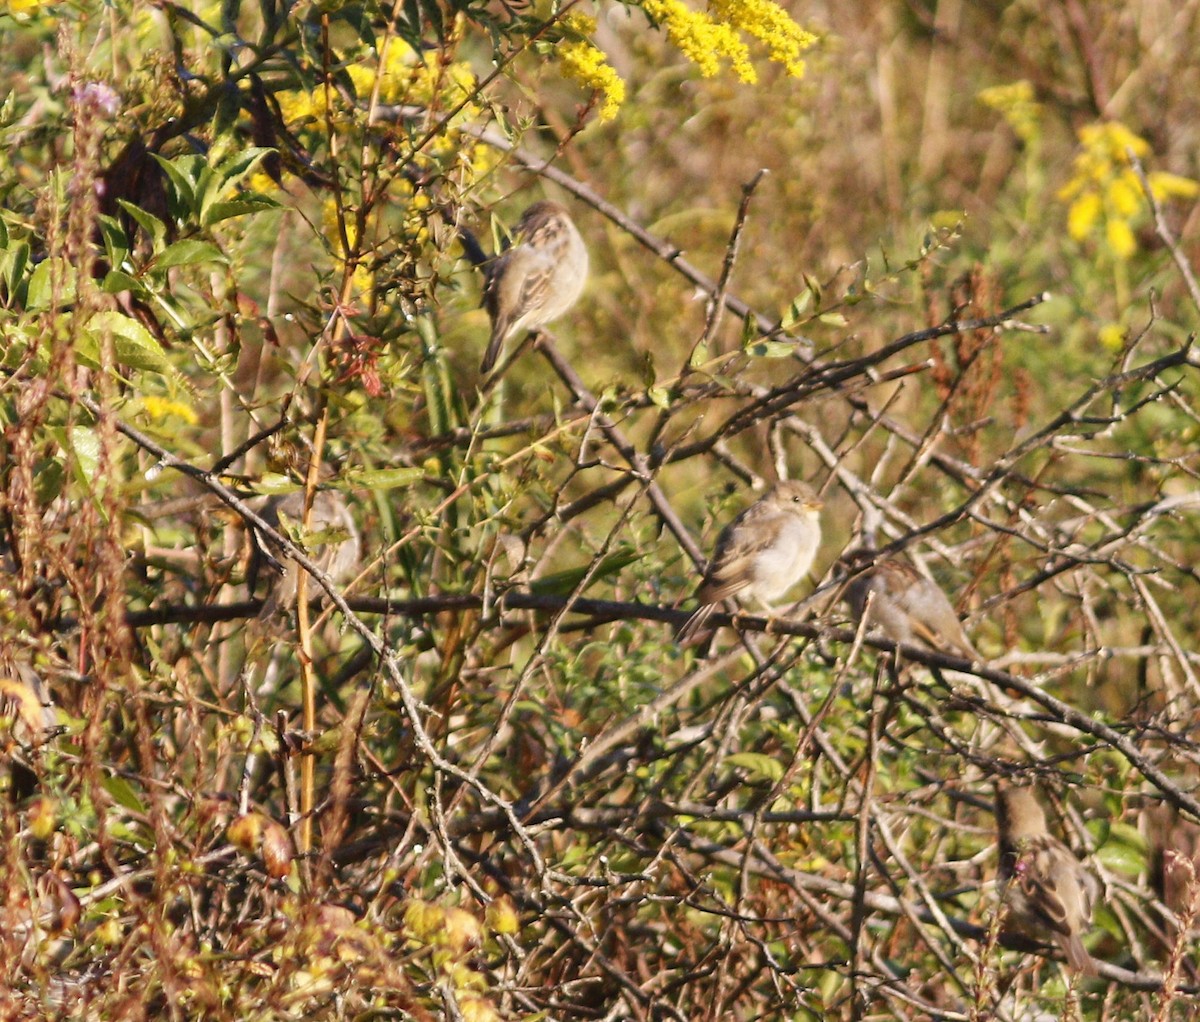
(537, 279)
(906, 606)
(29, 721)
(331, 540)
(1046, 889)
(763, 552)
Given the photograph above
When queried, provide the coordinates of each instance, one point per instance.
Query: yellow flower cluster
(584, 64)
(1104, 192)
(708, 37)
(701, 39)
(771, 25)
(363, 279)
(160, 408)
(21, 6)
(404, 76)
(1015, 103)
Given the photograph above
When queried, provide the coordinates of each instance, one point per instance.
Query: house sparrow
(763, 552)
(25, 702)
(536, 280)
(332, 541)
(908, 607)
(1045, 887)
(29, 720)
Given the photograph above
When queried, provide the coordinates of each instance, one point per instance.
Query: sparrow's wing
(516, 288)
(756, 529)
(694, 623)
(934, 621)
(1072, 896)
(1052, 880)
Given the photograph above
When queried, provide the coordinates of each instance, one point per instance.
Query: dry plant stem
(308, 683)
(412, 707)
(638, 462)
(1165, 234)
(537, 657)
(716, 303)
(287, 769)
(862, 857)
(1187, 918)
(609, 609)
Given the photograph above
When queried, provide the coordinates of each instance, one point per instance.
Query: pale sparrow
(537, 279)
(763, 552)
(331, 540)
(1046, 889)
(906, 606)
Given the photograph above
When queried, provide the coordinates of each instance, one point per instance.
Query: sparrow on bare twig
(332, 541)
(763, 552)
(907, 607)
(537, 279)
(1046, 889)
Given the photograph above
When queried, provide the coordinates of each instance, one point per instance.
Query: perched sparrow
(332, 541)
(25, 702)
(763, 552)
(908, 607)
(537, 279)
(1045, 887)
(28, 720)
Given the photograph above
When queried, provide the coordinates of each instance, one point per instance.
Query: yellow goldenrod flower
(22, 6)
(701, 39)
(585, 65)
(1119, 236)
(1172, 186)
(1082, 215)
(1112, 336)
(707, 38)
(1015, 103)
(767, 22)
(158, 408)
(1105, 195)
(1124, 195)
(297, 107)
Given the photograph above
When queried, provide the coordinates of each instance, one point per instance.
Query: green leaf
(1124, 849)
(147, 221)
(832, 319)
(16, 259)
(275, 483)
(760, 767)
(189, 252)
(660, 396)
(382, 479)
(46, 275)
(116, 243)
(116, 281)
(563, 582)
(231, 171)
(85, 445)
(123, 794)
(795, 310)
(185, 173)
(134, 345)
(254, 203)
(771, 349)
(223, 179)
(48, 476)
